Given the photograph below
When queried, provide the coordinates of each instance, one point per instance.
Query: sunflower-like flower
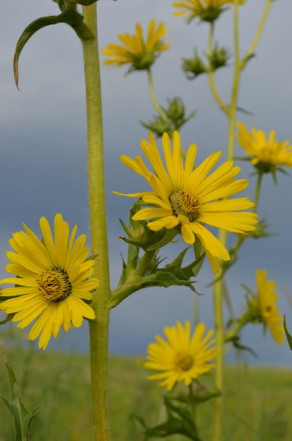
(267, 154)
(182, 357)
(52, 281)
(188, 197)
(140, 53)
(267, 307)
(206, 10)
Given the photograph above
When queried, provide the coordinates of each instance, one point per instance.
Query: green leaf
(288, 335)
(70, 17)
(159, 278)
(204, 395)
(240, 347)
(7, 319)
(179, 422)
(244, 111)
(61, 4)
(21, 416)
(168, 237)
(86, 2)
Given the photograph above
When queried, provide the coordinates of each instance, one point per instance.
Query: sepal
(173, 274)
(219, 57)
(193, 67)
(176, 118)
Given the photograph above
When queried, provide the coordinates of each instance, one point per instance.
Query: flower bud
(193, 67)
(176, 109)
(219, 57)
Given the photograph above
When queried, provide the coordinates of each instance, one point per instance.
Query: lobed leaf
(70, 17)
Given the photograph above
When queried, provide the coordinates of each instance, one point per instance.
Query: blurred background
(43, 149)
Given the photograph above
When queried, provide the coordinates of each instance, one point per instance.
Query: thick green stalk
(218, 287)
(98, 328)
(154, 100)
(219, 330)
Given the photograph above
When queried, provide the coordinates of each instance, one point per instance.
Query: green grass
(256, 400)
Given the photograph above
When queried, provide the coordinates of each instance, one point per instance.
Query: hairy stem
(154, 100)
(211, 75)
(259, 32)
(218, 287)
(98, 328)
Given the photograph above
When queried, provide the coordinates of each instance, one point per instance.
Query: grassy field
(256, 401)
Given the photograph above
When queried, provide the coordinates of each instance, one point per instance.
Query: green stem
(154, 100)
(132, 281)
(211, 76)
(193, 405)
(239, 324)
(219, 330)
(144, 263)
(257, 191)
(242, 238)
(235, 86)
(218, 287)
(258, 33)
(98, 328)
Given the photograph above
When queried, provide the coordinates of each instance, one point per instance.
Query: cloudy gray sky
(43, 146)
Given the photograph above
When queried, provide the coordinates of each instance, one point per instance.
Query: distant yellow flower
(267, 298)
(188, 197)
(207, 10)
(181, 357)
(136, 51)
(266, 152)
(52, 280)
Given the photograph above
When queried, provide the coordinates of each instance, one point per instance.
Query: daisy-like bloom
(140, 53)
(268, 309)
(182, 357)
(187, 197)
(266, 152)
(206, 10)
(52, 280)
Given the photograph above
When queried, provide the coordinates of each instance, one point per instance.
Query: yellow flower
(181, 357)
(188, 197)
(52, 280)
(267, 298)
(207, 10)
(266, 152)
(136, 51)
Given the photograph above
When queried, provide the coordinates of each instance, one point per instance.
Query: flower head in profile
(52, 283)
(267, 154)
(188, 198)
(181, 357)
(267, 306)
(206, 10)
(140, 53)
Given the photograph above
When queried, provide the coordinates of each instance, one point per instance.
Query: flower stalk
(258, 33)
(218, 286)
(154, 100)
(211, 76)
(98, 328)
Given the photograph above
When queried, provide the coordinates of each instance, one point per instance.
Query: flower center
(54, 285)
(184, 361)
(184, 203)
